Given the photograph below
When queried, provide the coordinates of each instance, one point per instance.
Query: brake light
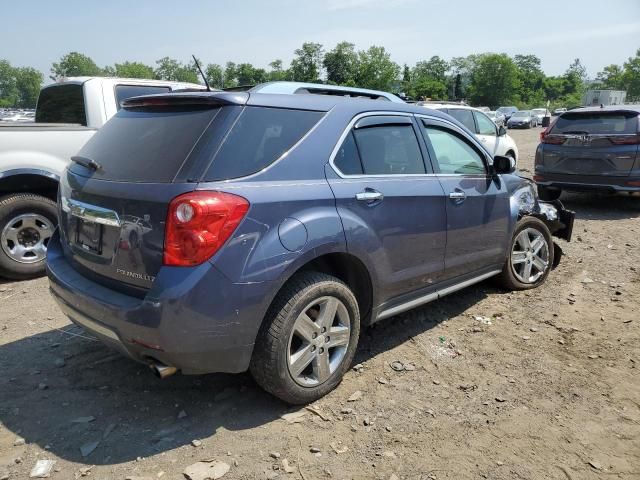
(551, 139)
(538, 178)
(198, 224)
(629, 140)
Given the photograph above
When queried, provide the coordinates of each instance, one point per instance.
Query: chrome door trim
(390, 312)
(90, 213)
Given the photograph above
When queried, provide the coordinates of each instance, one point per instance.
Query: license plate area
(89, 236)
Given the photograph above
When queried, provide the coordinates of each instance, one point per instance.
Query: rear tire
(531, 255)
(292, 333)
(548, 194)
(16, 211)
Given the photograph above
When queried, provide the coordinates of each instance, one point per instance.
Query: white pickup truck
(33, 156)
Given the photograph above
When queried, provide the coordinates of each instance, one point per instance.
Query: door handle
(458, 195)
(369, 196)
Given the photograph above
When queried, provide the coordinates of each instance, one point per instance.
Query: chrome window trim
(353, 121)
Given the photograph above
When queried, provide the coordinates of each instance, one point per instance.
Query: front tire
(531, 255)
(308, 338)
(27, 222)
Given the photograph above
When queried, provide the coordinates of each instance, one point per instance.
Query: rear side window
(596, 123)
(465, 117)
(145, 146)
(347, 159)
(389, 150)
(61, 104)
(127, 91)
(259, 137)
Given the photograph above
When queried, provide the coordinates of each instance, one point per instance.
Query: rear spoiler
(186, 99)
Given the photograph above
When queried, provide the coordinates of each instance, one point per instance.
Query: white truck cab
(33, 155)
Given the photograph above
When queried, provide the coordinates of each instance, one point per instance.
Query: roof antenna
(202, 74)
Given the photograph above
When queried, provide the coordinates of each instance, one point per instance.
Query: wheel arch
(28, 180)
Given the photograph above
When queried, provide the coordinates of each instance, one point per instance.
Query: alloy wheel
(529, 255)
(318, 341)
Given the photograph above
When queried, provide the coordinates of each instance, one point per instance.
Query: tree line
(490, 79)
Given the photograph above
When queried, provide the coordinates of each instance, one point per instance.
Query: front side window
(389, 150)
(485, 125)
(454, 155)
(128, 91)
(464, 116)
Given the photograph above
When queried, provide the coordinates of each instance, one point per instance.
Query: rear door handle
(458, 195)
(369, 196)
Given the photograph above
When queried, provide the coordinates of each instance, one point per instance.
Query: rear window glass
(596, 123)
(145, 146)
(259, 137)
(127, 91)
(61, 104)
(465, 117)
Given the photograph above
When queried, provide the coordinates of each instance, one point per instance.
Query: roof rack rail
(443, 102)
(323, 89)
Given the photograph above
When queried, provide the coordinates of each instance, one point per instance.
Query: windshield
(539, 111)
(522, 113)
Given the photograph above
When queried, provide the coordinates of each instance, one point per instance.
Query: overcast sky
(38, 32)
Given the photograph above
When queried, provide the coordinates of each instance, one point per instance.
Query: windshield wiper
(86, 162)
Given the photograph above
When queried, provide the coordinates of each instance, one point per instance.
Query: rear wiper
(86, 162)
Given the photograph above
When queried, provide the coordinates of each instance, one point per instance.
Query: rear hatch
(592, 142)
(112, 218)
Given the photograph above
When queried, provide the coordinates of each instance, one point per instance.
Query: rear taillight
(198, 224)
(551, 139)
(625, 140)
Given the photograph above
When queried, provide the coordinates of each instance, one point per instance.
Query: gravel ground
(530, 385)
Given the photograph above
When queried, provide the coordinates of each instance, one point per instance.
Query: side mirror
(504, 164)
(502, 131)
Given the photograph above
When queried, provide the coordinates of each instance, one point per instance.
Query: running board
(390, 312)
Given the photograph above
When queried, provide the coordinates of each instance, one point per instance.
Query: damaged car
(270, 229)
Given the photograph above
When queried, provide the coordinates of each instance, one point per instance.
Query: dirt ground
(531, 385)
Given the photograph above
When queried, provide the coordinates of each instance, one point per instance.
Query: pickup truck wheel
(530, 256)
(308, 338)
(548, 194)
(27, 222)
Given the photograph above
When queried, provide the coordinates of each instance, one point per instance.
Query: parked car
(34, 154)
(559, 111)
(484, 109)
(275, 227)
(493, 138)
(507, 111)
(522, 119)
(497, 118)
(590, 149)
(540, 113)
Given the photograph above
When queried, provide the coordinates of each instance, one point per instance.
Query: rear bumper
(194, 319)
(585, 183)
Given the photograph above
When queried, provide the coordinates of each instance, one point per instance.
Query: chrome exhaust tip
(162, 371)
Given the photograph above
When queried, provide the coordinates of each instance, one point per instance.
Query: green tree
(611, 76)
(215, 75)
(460, 80)
(341, 64)
(247, 74)
(8, 89)
(75, 64)
(171, 69)
(494, 80)
(307, 63)
(631, 77)
(134, 70)
(376, 69)
(28, 83)
(531, 79)
(277, 72)
(429, 79)
(230, 75)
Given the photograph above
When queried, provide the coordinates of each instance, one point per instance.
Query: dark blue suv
(220, 232)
